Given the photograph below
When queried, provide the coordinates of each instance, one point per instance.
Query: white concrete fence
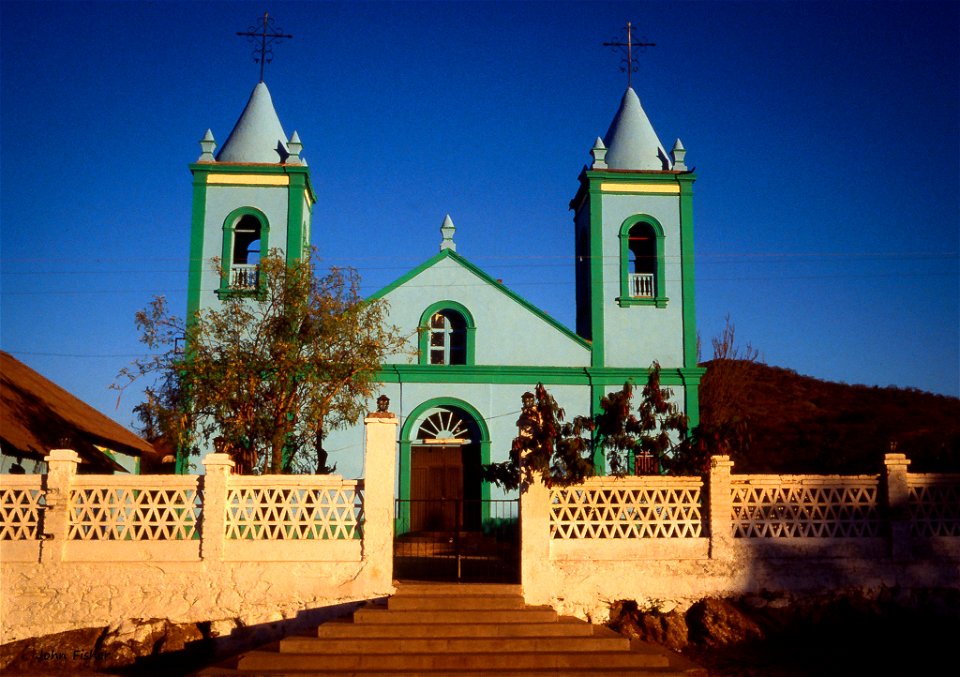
(89, 550)
(674, 540)
(86, 551)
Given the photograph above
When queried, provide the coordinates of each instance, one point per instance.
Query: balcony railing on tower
(244, 276)
(641, 285)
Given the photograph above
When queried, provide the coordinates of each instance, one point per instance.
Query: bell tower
(633, 224)
(251, 197)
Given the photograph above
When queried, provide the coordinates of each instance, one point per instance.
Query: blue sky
(824, 135)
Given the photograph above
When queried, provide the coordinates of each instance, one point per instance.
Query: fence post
(720, 509)
(61, 468)
(897, 503)
(217, 470)
(379, 478)
(536, 570)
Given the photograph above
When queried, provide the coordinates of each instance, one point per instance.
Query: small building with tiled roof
(37, 415)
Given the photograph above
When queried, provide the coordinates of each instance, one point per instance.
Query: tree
(562, 453)
(660, 432)
(724, 390)
(559, 452)
(265, 376)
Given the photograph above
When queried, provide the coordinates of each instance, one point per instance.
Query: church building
(475, 345)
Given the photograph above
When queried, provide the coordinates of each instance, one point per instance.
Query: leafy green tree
(265, 376)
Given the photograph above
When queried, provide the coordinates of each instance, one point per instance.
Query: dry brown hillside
(799, 424)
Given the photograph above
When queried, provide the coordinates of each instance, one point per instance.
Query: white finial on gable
(207, 146)
(447, 229)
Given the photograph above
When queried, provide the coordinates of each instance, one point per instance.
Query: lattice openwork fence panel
(293, 508)
(800, 506)
(21, 503)
(139, 508)
(934, 505)
(630, 507)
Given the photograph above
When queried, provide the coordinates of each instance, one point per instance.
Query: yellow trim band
(670, 188)
(249, 179)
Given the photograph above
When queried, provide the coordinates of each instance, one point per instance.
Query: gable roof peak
(631, 140)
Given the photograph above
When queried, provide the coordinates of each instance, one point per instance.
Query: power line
(558, 259)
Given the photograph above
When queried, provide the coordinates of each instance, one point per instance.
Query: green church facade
(474, 346)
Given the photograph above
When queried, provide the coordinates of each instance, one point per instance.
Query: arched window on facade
(245, 258)
(447, 338)
(642, 246)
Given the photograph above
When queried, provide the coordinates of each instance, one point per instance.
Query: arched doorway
(445, 472)
(448, 528)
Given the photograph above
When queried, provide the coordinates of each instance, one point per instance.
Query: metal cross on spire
(259, 33)
(629, 59)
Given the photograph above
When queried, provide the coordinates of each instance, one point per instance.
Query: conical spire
(258, 135)
(631, 141)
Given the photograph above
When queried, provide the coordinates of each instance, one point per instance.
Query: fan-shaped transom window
(446, 426)
(447, 338)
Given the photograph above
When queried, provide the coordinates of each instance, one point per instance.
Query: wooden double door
(444, 487)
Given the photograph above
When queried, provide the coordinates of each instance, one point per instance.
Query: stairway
(459, 630)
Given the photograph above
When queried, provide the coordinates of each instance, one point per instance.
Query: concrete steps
(459, 630)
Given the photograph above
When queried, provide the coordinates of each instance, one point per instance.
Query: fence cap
(63, 455)
(218, 460)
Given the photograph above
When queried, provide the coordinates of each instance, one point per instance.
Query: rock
(133, 638)
(667, 606)
(72, 652)
(715, 622)
(668, 629)
(222, 628)
(136, 640)
(853, 632)
(180, 637)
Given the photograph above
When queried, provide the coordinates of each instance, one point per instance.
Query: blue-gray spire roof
(257, 136)
(631, 141)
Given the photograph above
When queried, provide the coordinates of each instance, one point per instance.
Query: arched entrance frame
(407, 438)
